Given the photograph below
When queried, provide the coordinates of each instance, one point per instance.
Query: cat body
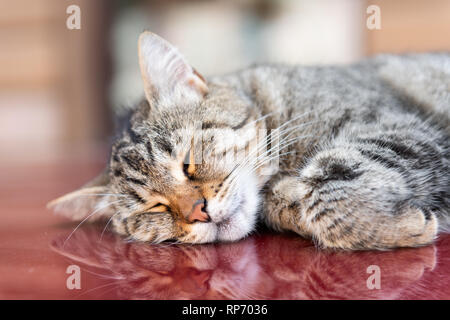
(354, 157)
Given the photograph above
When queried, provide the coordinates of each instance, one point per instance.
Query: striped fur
(364, 162)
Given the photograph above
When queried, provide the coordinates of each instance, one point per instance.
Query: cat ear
(168, 78)
(89, 202)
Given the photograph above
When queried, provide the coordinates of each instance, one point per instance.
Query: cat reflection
(260, 267)
(168, 271)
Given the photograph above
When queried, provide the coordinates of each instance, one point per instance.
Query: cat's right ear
(168, 78)
(92, 201)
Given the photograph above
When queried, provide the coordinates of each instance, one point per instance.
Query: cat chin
(243, 210)
(234, 228)
(241, 223)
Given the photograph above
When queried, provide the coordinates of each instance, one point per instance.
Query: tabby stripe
(136, 196)
(125, 224)
(376, 157)
(348, 229)
(137, 222)
(337, 221)
(117, 172)
(326, 190)
(149, 148)
(321, 214)
(399, 149)
(336, 199)
(164, 145)
(132, 163)
(316, 202)
(426, 213)
(135, 181)
(240, 125)
(361, 244)
(213, 125)
(339, 123)
(294, 205)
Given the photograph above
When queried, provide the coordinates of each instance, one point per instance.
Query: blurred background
(59, 88)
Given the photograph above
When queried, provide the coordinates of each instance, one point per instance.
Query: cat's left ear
(168, 78)
(89, 202)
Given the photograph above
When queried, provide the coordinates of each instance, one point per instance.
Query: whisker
(263, 161)
(270, 137)
(274, 134)
(113, 283)
(106, 226)
(278, 148)
(263, 117)
(271, 158)
(90, 215)
(102, 275)
(102, 194)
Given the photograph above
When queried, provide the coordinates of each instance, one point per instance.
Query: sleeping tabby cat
(353, 157)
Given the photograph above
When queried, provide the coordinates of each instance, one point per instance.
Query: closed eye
(159, 207)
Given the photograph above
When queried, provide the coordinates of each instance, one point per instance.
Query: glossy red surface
(36, 250)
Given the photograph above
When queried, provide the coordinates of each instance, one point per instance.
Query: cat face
(181, 170)
(173, 164)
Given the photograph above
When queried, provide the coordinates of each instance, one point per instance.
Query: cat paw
(411, 227)
(418, 226)
(282, 208)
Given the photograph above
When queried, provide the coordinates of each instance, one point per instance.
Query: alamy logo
(74, 280)
(373, 21)
(73, 21)
(374, 281)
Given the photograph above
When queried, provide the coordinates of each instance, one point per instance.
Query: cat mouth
(229, 225)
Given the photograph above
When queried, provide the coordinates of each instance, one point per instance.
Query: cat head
(181, 169)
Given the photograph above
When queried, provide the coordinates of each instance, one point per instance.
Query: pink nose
(197, 213)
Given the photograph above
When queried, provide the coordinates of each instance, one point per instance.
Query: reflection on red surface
(261, 267)
(33, 260)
